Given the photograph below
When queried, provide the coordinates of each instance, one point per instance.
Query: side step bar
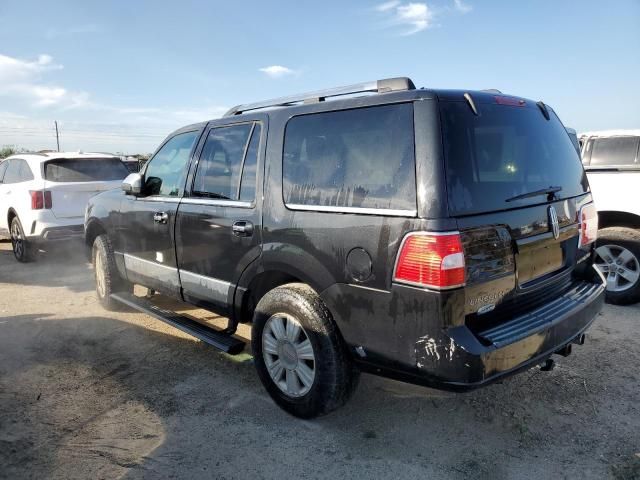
(217, 339)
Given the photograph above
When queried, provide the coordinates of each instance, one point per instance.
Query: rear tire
(299, 354)
(618, 258)
(22, 249)
(108, 279)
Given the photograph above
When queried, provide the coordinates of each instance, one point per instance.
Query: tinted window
(85, 170)
(17, 171)
(132, 166)
(353, 158)
(3, 168)
(220, 163)
(614, 151)
(503, 152)
(167, 170)
(248, 182)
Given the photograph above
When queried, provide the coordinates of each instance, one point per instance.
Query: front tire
(108, 279)
(22, 249)
(299, 354)
(618, 258)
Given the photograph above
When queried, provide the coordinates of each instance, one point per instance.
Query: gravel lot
(85, 393)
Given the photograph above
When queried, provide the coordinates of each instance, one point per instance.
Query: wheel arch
(261, 283)
(93, 228)
(278, 265)
(11, 214)
(613, 218)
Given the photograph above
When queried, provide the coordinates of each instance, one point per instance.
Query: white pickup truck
(612, 161)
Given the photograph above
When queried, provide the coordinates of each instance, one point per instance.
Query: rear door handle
(161, 217)
(242, 228)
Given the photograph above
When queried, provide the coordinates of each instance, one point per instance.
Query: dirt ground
(85, 393)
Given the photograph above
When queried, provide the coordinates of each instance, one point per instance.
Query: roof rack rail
(491, 90)
(378, 86)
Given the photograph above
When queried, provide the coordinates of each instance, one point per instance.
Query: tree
(7, 151)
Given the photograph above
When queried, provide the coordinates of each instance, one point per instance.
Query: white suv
(43, 195)
(612, 161)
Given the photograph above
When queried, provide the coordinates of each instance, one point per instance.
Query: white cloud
(384, 7)
(23, 78)
(413, 17)
(277, 71)
(417, 16)
(462, 7)
(15, 70)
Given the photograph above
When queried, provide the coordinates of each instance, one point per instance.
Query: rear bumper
(46, 228)
(53, 234)
(460, 360)
(58, 234)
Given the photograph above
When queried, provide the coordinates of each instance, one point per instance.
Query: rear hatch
(512, 173)
(72, 181)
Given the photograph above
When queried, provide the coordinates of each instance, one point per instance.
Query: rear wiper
(550, 191)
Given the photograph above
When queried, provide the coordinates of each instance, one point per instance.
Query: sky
(118, 75)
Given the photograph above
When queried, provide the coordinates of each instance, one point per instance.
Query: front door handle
(242, 228)
(161, 217)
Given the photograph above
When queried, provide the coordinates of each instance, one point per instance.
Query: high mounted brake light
(431, 260)
(588, 218)
(41, 199)
(513, 102)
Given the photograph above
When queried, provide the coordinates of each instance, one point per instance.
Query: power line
(45, 129)
(80, 134)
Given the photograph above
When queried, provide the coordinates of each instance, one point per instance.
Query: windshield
(85, 170)
(497, 159)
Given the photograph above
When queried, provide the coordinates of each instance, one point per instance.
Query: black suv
(443, 238)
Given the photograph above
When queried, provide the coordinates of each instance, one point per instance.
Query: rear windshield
(614, 151)
(85, 170)
(503, 152)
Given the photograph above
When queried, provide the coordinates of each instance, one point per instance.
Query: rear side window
(85, 170)
(248, 181)
(17, 171)
(362, 158)
(504, 152)
(227, 153)
(614, 151)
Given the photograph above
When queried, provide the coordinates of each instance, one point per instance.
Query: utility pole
(57, 136)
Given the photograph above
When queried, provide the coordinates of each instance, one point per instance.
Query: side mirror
(132, 185)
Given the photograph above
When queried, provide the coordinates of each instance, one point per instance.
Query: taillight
(588, 218)
(431, 260)
(41, 200)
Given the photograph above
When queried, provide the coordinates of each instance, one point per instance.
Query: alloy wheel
(620, 267)
(17, 240)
